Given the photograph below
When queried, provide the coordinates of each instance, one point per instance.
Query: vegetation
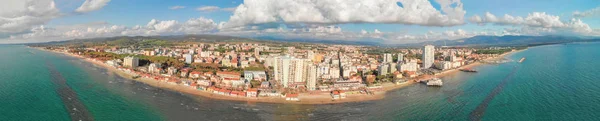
(169, 61)
(492, 51)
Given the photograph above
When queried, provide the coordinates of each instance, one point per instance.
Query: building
(408, 66)
(131, 62)
(290, 71)
(255, 75)
(392, 67)
(400, 57)
(387, 58)
(428, 56)
(383, 69)
(155, 68)
(188, 58)
(311, 81)
(443, 65)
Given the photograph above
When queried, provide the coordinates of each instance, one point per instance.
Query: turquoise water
(555, 82)
(27, 92)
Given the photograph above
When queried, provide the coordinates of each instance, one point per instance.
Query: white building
(154, 68)
(131, 62)
(387, 58)
(255, 75)
(290, 71)
(311, 81)
(408, 66)
(400, 57)
(443, 65)
(188, 58)
(383, 69)
(428, 56)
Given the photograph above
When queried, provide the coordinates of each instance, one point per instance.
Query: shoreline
(305, 98)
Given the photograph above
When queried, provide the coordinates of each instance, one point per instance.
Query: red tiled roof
(291, 95)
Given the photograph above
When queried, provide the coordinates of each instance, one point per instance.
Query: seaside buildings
(383, 69)
(400, 57)
(291, 72)
(387, 58)
(428, 56)
(305, 68)
(131, 62)
(188, 58)
(408, 66)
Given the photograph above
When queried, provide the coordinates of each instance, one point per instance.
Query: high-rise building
(290, 71)
(400, 57)
(392, 67)
(188, 58)
(383, 69)
(428, 56)
(310, 55)
(257, 52)
(131, 62)
(387, 58)
(311, 81)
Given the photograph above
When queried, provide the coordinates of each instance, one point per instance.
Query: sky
(384, 21)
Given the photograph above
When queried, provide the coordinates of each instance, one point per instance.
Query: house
(195, 74)
(410, 74)
(265, 84)
(338, 94)
(292, 97)
(204, 83)
(185, 72)
(252, 92)
(255, 75)
(228, 74)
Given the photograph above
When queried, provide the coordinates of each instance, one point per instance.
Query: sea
(555, 82)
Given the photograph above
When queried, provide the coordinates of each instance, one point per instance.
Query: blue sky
(70, 19)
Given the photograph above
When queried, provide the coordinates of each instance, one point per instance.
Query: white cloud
(176, 7)
(587, 13)
(214, 8)
(102, 29)
(208, 8)
(91, 5)
(229, 9)
(20, 15)
(548, 23)
(417, 12)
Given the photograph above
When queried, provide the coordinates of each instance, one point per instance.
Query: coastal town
(284, 72)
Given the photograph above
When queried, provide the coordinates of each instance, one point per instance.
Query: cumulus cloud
(103, 29)
(588, 13)
(20, 15)
(91, 5)
(416, 12)
(535, 19)
(176, 7)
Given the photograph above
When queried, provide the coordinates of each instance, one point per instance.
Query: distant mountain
(508, 40)
(147, 41)
(323, 41)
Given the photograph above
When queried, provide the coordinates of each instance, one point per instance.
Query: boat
(435, 82)
(468, 70)
(522, 59)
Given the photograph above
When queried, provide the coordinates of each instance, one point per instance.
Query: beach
(304, 98)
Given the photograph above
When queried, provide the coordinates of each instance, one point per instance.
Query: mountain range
(507, 40)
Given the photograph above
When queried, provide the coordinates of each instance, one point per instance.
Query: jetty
(522, 59)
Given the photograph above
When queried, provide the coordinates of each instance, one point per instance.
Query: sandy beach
(304, 98)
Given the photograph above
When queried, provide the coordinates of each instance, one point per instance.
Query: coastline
(305, 98)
